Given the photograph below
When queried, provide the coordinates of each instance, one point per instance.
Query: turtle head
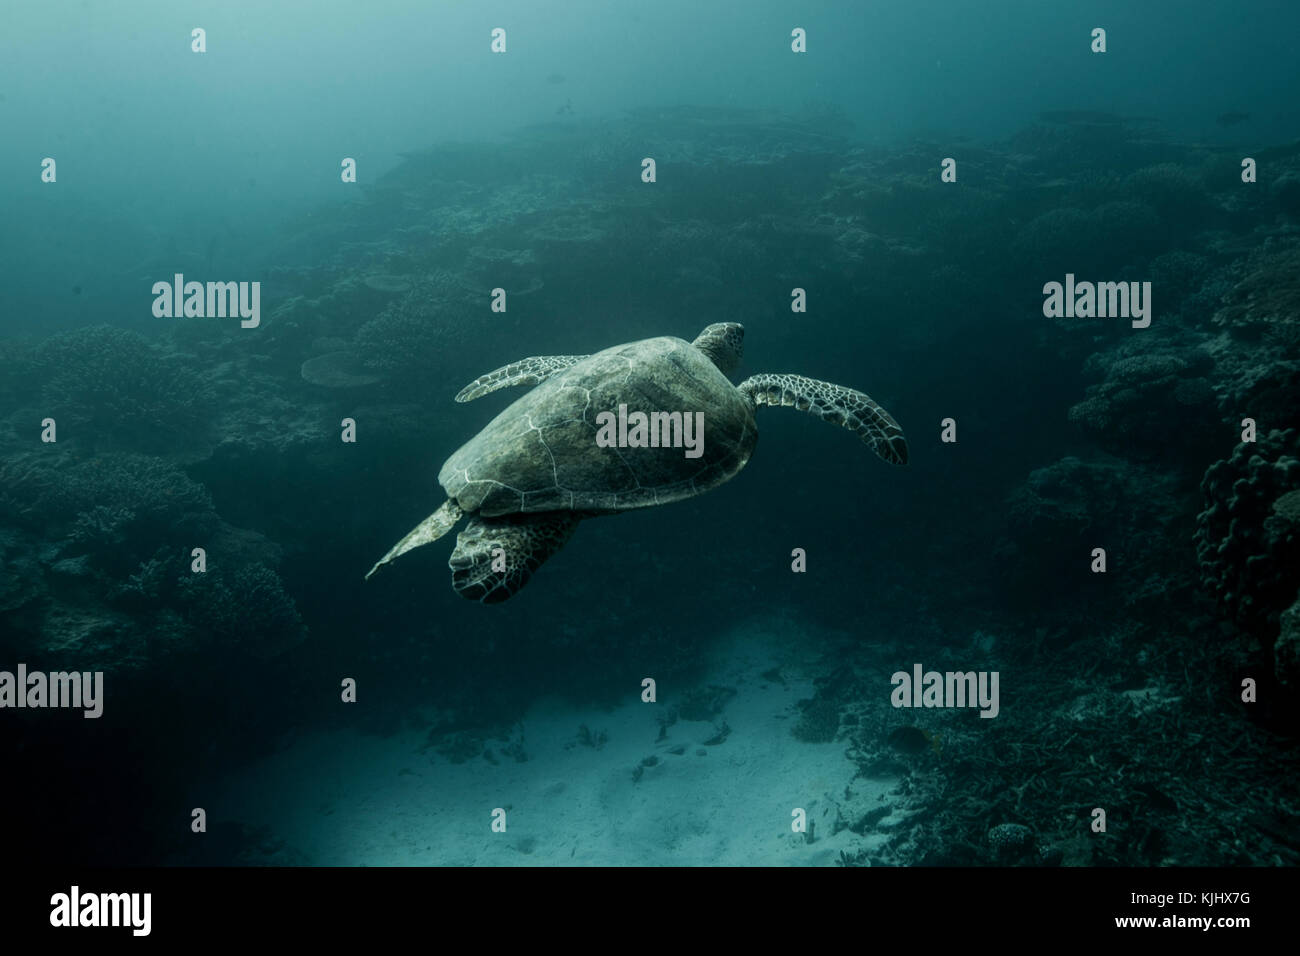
(723, 343)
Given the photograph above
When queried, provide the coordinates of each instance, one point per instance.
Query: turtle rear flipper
(833, 403)
(530, 371)
(495, 557)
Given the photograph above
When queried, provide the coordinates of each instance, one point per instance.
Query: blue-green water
(1099, 507)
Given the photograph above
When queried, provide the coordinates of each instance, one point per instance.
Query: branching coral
(247, 609)
(101, 528)
(1150, 403)
(408, 340)
(116, 388)
(1248, 538)
(157, 493)
(150, 584)
(1266, 299)
(1175, 277)
(1093, 244)
(123, 526)
(1176, 193)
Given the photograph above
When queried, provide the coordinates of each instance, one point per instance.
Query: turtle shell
(541, 453)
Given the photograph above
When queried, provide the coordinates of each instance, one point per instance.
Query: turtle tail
(495, 557)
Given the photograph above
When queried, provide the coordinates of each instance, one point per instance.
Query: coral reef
(1109, 241)
(341, 369)
(1177, 193)
(244, 611)
(104, 495)
(1064, 510)
(96, 561)
(1150, 403)
(374, 320)
(110, 388)
(1176, 277)
(1011, 840)
(1247, 538)
(395, 285)
(1265, 301)
(1075, 140)
(1286, 650)
(407, 342)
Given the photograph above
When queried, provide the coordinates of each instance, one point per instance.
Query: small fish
(1231, 118)
(566, 108)
(555, 79)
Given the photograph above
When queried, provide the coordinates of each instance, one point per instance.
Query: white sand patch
(716, 791)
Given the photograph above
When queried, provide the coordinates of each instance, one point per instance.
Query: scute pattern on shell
(540, 454)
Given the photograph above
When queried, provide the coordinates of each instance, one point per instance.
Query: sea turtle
(570, 449)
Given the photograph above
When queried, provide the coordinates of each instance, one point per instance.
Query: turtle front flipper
(427, 531)
(835, 404)
(530, 371)
(495, 557)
